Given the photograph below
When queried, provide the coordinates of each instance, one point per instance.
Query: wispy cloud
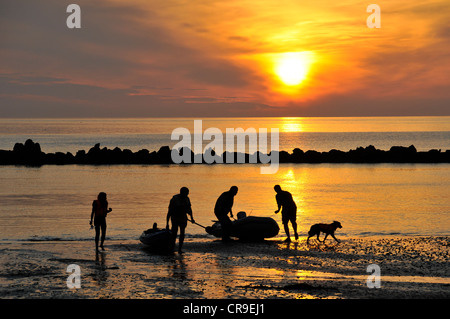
(141, 58)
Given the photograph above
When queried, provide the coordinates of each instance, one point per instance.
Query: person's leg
(294, 223)
(97, 236)
(286, 230)
(294, 226)
(285, 219)
(226, 225)
(181, 239)
(103, 229)
(174, 231)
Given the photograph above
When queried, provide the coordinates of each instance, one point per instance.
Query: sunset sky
(144, 58)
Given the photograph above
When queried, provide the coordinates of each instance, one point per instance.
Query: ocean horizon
(307, 133)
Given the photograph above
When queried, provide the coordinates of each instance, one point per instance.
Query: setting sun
(292, 67)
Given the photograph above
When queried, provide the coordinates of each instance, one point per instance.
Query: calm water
(321, 134)
(54, 202)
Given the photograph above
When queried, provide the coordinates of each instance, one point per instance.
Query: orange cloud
(213, 53)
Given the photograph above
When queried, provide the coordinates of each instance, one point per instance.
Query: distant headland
(30, 154)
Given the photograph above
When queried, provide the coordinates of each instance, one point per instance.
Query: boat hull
(158, 241)
(248, 228)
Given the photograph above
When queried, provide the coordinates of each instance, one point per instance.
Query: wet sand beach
(411, 267)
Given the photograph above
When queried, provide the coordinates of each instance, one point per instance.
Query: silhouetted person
(289, 210)
(224, 206)
(179, 208)
(99, 212)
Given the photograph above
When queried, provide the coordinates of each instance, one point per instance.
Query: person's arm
(190, 211)
(231, 206)
(167, 219)
(92, 213)
(169, 213)
(279, 204)
(108, 210)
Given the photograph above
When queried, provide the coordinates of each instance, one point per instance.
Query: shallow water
(54, 202)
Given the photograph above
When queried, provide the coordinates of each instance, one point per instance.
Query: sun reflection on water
(291, 125)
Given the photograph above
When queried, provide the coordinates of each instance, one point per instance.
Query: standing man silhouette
(179, 208)
(289, 210)
(223, 206)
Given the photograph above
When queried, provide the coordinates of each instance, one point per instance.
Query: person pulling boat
(179, 208)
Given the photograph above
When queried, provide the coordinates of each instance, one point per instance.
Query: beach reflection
(100, 275)
(177, 269)
(314, 245)
(200, 275)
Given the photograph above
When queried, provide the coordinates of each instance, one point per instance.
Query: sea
(54, 202)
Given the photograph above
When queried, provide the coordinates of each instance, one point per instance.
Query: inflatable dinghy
(158, 240)
(250, 228)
